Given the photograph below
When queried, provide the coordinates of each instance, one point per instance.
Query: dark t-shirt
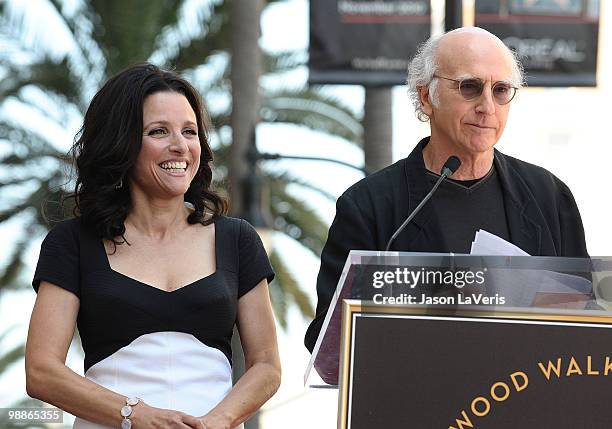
(464, 207)
(116, 309)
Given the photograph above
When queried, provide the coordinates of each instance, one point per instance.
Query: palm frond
(13, 268)
(277, 297)
(54, 78)
(57, 78)
(221, 120)
(290, 287)
(315, 110)
(294, 218)
(29, 40)
(127, 31)
(288, 179)
(214, 38)
(29, 145)
(11, 356)
(87, 54)
(283, 61)
(45, 196)
(12, 82)
(14, 210)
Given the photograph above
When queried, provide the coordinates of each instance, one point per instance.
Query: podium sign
(402, 367)
(459, 341)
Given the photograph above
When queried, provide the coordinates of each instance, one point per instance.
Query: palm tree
(53, 85)
(104, 37)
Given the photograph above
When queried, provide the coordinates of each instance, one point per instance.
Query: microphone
(450, 166)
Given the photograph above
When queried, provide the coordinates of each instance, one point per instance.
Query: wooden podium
(541, 357)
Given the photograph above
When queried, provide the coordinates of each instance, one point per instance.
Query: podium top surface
(460, 284)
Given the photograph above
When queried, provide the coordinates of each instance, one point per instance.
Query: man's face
(473, 126)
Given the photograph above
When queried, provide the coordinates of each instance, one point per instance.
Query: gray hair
(424, 65)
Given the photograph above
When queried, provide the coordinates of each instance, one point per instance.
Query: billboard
(556, 40)
(365, 42)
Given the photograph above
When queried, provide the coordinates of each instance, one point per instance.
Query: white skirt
(170, 370)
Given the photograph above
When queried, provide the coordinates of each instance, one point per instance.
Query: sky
(564, 130)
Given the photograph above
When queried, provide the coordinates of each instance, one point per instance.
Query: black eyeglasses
(472, 87)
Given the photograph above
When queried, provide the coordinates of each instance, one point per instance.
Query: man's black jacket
(543, 218)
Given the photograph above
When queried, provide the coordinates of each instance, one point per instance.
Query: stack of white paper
(528, 287)
(486, 243)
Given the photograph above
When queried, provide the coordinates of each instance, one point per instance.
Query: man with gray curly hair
(462, 83)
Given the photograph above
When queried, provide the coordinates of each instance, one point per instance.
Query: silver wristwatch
(126, 411)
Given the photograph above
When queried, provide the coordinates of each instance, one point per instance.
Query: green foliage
(296, 219)
(311, 108)
(11, 356)
(285, 286)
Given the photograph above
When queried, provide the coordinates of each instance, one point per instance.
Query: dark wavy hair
(107, 146)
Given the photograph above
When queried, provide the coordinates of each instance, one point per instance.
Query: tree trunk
(377, 128)
(244, 76)
(453, 14)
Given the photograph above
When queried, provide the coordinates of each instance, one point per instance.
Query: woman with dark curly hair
(152, 272)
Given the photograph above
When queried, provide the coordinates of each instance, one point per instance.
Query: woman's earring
(120, 184)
